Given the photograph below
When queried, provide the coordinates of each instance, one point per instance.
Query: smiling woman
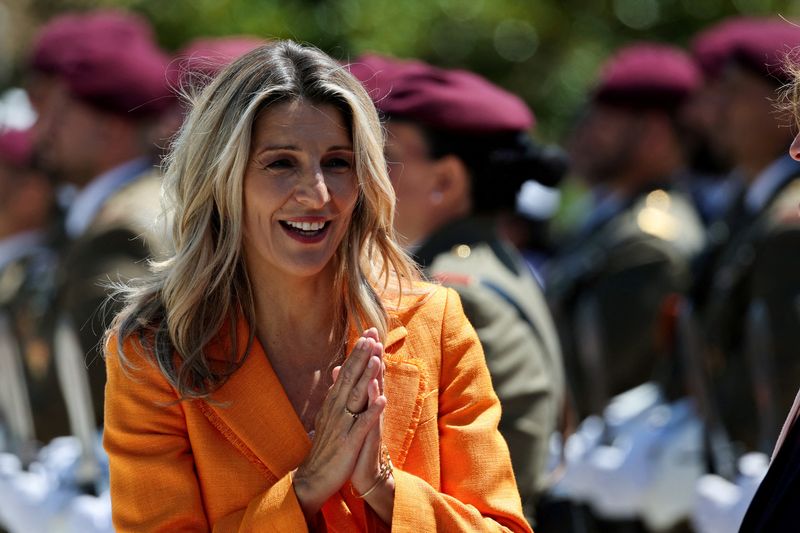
(299, 191)
(232, 403)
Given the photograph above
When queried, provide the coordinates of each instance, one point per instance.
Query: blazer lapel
(252, 411)
(405, 387)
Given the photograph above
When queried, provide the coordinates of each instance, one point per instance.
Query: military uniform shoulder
(669, 216)
(136, 204)
(137, 208)
(28, 274)
(12, 279)
(464, 264)
(785, 208)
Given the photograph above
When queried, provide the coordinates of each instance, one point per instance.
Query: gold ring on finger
(351, 413)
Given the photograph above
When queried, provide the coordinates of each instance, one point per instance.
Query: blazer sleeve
(478, 491)
(154, 486)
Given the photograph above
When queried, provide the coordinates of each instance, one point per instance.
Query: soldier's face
(603, 143)
(68, 137)
(411, 171)
(750, 130)
(6, 190)
(700, 117)
(26, 198)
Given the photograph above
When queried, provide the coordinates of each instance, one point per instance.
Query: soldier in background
(458, 151)
(749, 308)
(610, 286)
(26, 214)
(774, 507)
(711, 182)
(107, 85)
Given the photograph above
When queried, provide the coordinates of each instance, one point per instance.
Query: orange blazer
(225, 465)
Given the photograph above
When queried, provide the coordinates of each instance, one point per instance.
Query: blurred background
(547, 51)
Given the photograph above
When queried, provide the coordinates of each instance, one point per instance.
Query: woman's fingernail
(371, 363)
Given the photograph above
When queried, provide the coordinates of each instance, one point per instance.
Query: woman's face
(299, 190)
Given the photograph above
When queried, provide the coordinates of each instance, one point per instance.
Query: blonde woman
(241, 396)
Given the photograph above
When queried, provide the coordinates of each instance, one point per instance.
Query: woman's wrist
(307, 498)
(362, 486)
(381, 500)
(383, 473)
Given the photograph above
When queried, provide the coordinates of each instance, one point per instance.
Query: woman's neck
(296, 319)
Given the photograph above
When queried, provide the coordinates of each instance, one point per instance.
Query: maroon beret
(450, 100)
(767, 47)
(54, 39)
(107, 59)
(16, 147)
(715, 46)
(647, 75)
(208, 56)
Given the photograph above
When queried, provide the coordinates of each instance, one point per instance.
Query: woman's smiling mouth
(306, 232)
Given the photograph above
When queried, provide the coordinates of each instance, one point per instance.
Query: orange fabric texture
(225, 465)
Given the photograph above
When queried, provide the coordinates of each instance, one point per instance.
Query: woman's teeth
(305, 226)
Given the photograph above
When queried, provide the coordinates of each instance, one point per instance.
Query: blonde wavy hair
(789, 96)
(204, 285)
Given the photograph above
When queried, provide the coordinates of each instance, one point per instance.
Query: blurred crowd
(645, 359)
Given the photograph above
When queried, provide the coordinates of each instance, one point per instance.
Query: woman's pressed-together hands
(347, 441)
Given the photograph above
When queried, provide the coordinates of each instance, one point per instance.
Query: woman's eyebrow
(293, 148)
(274, 147)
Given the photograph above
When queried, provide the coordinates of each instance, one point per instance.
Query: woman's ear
(450, 190)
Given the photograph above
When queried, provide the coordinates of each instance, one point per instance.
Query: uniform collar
(467, 231)
(19, 245)
(89, 200)
(769, 182)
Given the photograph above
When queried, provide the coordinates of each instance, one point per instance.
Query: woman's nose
(794, 149)
(313, 191)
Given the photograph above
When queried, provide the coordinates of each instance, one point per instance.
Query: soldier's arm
(113, 256)
(776, 286)
(630, 294)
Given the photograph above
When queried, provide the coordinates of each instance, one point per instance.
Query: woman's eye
(280, 163)
(338, 162)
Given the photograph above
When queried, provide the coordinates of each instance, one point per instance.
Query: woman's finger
(358, 399)
(367, 468)
(372, 333)
(378, 352)
(352, 368)
(372, 390)
(367, 419)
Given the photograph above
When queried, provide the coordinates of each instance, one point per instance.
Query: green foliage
(548, 51)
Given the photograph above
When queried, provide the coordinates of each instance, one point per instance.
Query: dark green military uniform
(503, 302)
(115, 247)
(608, 289)
(59, 308)
(751, 316)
